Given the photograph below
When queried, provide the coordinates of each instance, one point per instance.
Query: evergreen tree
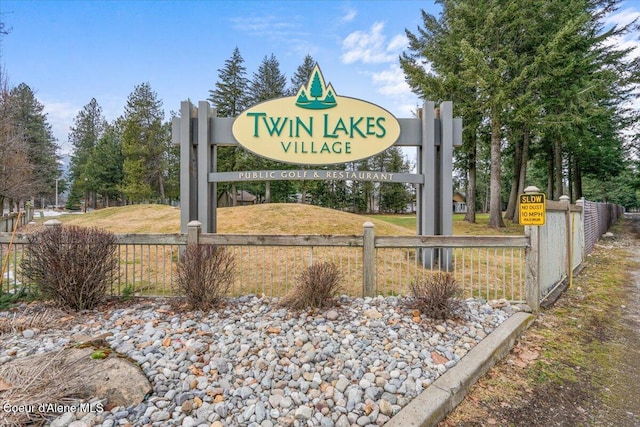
(268, 82)
(88, 127)
(28, 116)
(144, 146)
(230, 97)
(15, 166)
(104, 168)
(394, 196)
(302, 74)
(231, 94)
(301, 78)
(543, 75)
(316, 87)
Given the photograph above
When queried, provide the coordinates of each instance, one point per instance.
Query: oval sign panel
(316, 127)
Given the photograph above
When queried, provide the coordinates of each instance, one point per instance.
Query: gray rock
(303, 413)
(63, 420)
(385, 407)
(343, 421)
(331, 315)
(260, 412)
(342, 384)
(354, 397)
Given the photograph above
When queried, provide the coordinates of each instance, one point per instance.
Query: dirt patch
(578, 363)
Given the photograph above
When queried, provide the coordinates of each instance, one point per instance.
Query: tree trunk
(550, 173)
(557, 163)
(515, 181)
(577, 180)
(470, 216)
(495, 204)
(570, 176)
(161, 187)
(522, 180)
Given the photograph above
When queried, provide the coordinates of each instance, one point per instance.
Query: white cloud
(622, 17)
(371, 47)
(391, 81)
(398, 43)
(60, 116)
(630, 40)
(349, 15)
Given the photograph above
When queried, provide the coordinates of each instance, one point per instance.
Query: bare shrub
(316, 287)
(435, 296)
(205, 275)
(74, 266)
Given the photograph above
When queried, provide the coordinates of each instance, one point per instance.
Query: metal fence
(490, 267)
(517, 268)
(598, 218)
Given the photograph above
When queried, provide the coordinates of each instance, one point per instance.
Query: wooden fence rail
(518, 268)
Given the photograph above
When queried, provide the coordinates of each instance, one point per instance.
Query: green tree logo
(323, 96)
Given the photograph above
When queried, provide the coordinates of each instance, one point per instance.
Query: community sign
(316, 127)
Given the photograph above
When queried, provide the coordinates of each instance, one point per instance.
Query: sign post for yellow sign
(532, 208)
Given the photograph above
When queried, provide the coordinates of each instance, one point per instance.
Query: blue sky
(71, 51)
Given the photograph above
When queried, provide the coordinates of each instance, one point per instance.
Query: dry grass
(271, 270)
(32, 317)
(129, 219)
(578, 362)
(35, 381)
(273, 218)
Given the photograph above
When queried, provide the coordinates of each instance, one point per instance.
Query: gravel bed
(252, 363)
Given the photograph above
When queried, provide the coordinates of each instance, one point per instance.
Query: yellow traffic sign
(532, 208)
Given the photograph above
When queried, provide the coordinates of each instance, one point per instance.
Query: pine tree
(268, 82)
(88, 127)
(28, 116)
(545, 77)
(15, 167)
(104, 167)
(230, 96)
(302, 74)
(144, 146)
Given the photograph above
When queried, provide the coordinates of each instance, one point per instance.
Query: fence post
(532, 261)
(52, 223)
(194, 228)
(368, 260)
(580, 205)
(567, 224)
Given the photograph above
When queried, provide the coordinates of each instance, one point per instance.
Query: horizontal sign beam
(410, 135)
(305, 174)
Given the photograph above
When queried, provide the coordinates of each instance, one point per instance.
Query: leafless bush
(435, 296)
(73, 266)
(315, 287)
(205, 274)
